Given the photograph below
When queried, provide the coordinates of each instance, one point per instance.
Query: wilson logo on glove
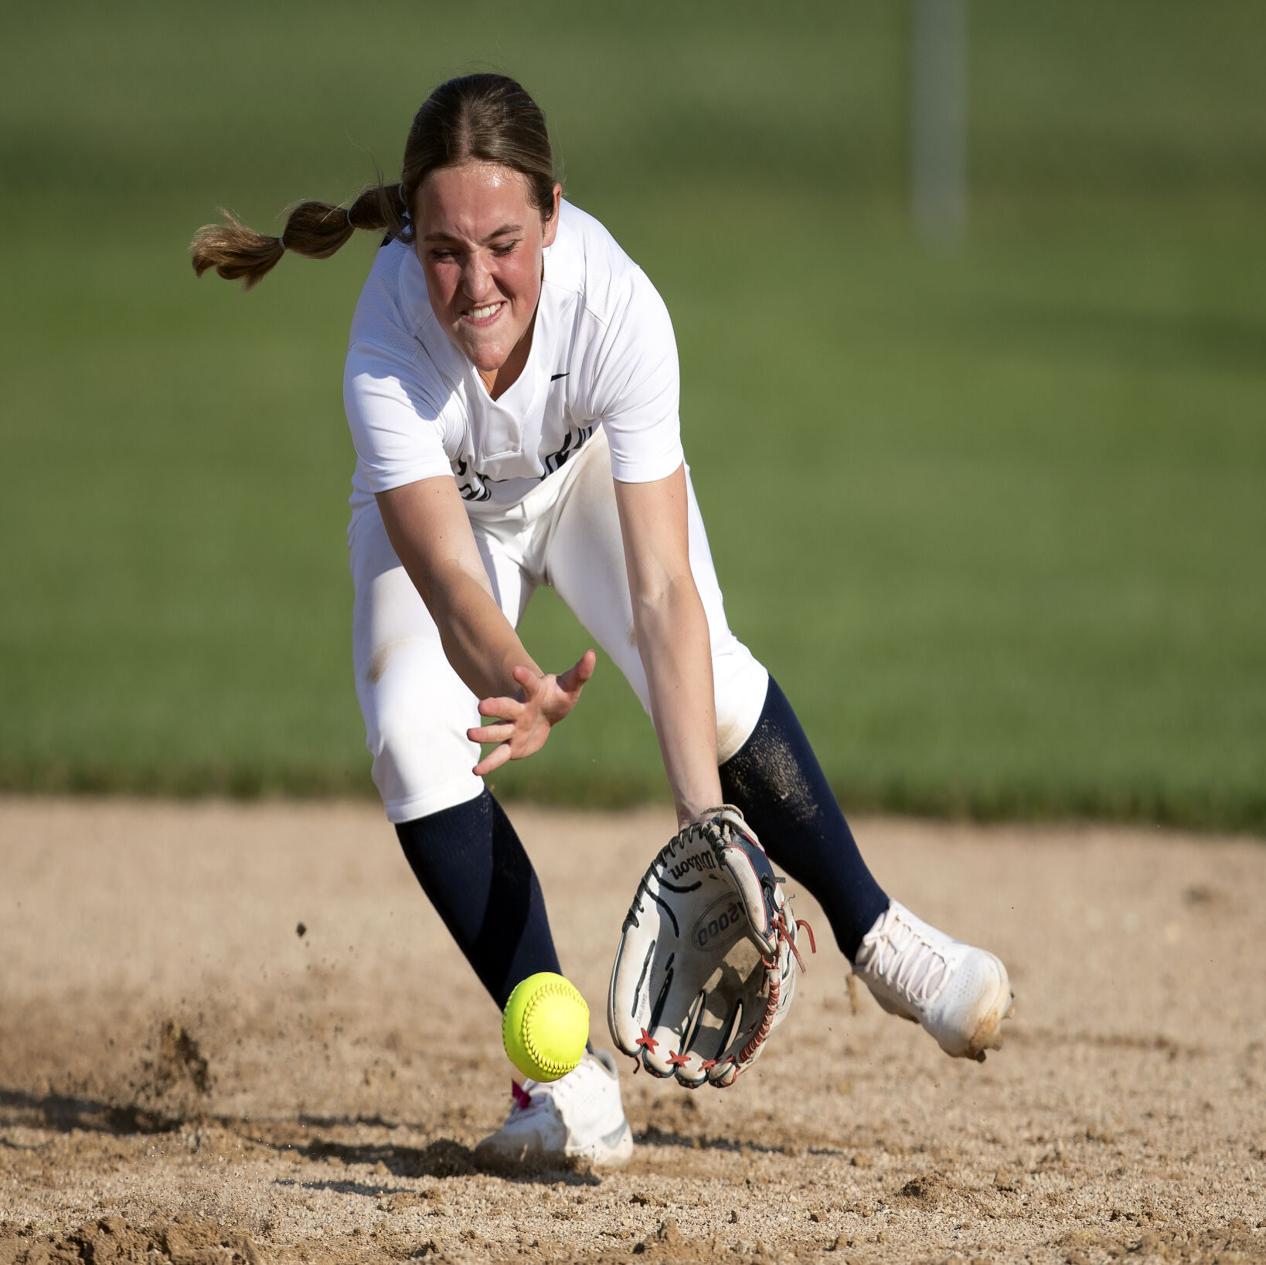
(701, 862)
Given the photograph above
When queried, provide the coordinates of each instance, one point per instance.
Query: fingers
(518, 720)
(513, 719)
(502, 708)
(531, 681)
(493, 760)
(575, 678)
(500, 734)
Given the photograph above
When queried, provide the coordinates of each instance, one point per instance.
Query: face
(480, 243)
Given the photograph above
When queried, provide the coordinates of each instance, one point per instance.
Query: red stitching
(647, 1042)
(783, 932)
(677, 1060)
(748, 1052)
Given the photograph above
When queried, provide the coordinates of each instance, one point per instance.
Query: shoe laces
(533, 1095)
(901, 955)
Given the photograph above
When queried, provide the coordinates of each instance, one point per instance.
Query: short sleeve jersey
(603, 354)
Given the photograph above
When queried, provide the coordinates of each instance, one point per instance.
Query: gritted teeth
(482, 313)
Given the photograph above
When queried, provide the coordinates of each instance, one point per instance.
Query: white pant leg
(584, 561)
(416, 708)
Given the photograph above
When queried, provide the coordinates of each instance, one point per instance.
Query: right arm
(427, 525)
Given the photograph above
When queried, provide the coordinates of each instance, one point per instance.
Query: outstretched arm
(672, 638)
(428, 528)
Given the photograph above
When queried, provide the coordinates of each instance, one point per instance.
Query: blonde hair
(488, 118)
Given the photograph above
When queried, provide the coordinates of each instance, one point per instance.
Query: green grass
(994, 517)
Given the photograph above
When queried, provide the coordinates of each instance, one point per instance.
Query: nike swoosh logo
(554, 377)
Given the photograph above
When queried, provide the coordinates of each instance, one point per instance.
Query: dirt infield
(239, 1034)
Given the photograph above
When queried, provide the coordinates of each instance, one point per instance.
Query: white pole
(938, 118)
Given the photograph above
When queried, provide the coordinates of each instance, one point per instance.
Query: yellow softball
(544, 1026)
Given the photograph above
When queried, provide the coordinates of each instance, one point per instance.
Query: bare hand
(523, 724)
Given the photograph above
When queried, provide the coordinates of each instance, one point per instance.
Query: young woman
(512, 391)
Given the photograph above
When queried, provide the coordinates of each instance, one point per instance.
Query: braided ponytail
(489, 118)
(315, 229)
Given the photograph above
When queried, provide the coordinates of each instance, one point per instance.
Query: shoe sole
(612, 1151)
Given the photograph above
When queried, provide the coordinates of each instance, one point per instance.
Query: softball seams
(551, 1067)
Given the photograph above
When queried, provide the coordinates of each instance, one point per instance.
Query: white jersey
(603, 354)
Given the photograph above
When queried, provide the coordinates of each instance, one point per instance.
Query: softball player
(512, 390)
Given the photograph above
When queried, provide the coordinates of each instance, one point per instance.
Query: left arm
(672, 638)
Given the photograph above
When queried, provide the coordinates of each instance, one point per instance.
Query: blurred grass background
(994, 516)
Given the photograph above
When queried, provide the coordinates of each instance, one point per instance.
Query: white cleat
(577, 1118)
(960, 994)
